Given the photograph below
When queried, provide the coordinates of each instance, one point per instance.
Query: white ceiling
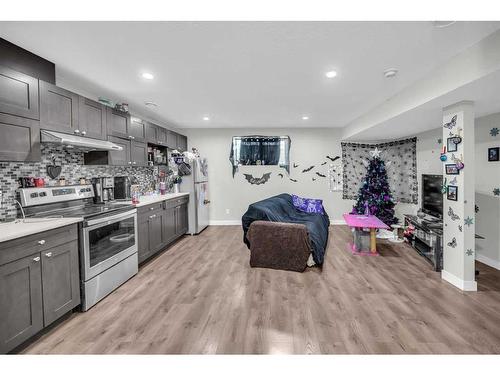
(246, 74)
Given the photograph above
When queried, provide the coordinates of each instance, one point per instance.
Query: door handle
(36, 259)
(49, 254)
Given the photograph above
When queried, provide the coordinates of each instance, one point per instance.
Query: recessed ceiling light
(443, 24)
(389, 73)
(206, 118)
(147, 75)
(151, 104)
(331, 74)
(305, 117)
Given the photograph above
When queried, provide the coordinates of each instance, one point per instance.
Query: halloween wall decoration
(454, 181)
(257, 180)
(458, 161)
(444, 187)
(452, 214)
(494, 132)
(452, 193)
(323, 163)
(493, 154)
(460, 228)
(453, 243)
(260, 150)
(496, 192)
(291, 179)
(295, 165)
(335, 174)
(469, 252)
(468, 221)
(451, 145)
(400, 160)
(320, 174)
(450, 125)
(452, 169)
(307, 169)
(332, 159)
(281, 175)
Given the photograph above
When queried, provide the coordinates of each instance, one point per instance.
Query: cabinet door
(161, 136)
(92, 118)
(21, 314)
(58, 109)
(151, 134)
(143, 240)
(181, 142)
(120, 157)
(182, 219)
(139, 154)
(60, 281)
(137, 129)
(117, 122)
(155, 224)
(18, 94)
(170, 227)
(19, 139)
(171, 139)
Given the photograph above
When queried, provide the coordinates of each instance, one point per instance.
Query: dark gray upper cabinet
(151, 132)
(171, 139)
(58, 109)
(92, 119)
(117, 122)
(18, 94)
(120, 157)
(161, 136)
(21, 313)
(60, 280)
(19, 139)
(181, 142)
(137, 129)
(139, 154)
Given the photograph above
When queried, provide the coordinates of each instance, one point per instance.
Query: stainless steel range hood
(81, 143)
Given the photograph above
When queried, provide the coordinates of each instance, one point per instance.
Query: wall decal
(453, 243)
(450, 125)
(458, 161)
(493, 154)
(494, 132)
(295, 165)
(469, 252)
(291, 179)
(452, 214)
(335, 174)
(320, 175)
(476, 208)
(454, 181)
(333, 159)
(451, 169)
(439, 141)
(257, 180)
(281, 175)
(323, 163)
(451, 145)
(468, 221)
(444, 187)
(460, 228)
(452, 193)
(313, 179)
(307, 169)
(496, 192)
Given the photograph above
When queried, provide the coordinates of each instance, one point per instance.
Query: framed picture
(451, 169)
(452, 193)
(493, 154)
(451, 146)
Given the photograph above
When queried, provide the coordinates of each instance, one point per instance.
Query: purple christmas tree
(374, 195)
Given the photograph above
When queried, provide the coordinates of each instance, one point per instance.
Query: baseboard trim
(337, 222)
(468, 286)
(488, 261)
(224, 222)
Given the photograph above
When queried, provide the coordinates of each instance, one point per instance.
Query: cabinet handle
(41, 242)
(49, 254)
(152, 216)
(84, 132)
(151, 208)
(77, 131)
(36, 259)
(130, 162)
(131, 137)
(134, 162)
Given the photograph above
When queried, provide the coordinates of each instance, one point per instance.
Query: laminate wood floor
(201, 296)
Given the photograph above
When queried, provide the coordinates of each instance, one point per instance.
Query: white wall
(308, 147)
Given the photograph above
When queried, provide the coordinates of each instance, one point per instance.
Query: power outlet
(228, 211)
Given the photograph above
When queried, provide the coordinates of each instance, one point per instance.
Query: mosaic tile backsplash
(73, 169)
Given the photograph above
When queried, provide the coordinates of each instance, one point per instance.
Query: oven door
(107, 241)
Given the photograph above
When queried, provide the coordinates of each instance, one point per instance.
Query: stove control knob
(43, 194)
(33, 195)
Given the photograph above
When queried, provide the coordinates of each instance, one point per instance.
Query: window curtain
(401, 163)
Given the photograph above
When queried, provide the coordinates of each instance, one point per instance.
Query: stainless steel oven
(109, 254)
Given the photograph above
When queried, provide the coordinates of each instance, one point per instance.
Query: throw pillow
(309, 205)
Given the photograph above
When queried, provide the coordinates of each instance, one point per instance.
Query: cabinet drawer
(176, 202)
(25, 246)
(150, 208)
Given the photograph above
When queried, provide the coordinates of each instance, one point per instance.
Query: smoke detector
(389, 73)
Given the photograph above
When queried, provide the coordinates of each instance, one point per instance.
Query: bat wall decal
(293, 180)
(307, 169)
(332, 159)
(257, 180)
(295, 165)
(323, 163)
(320, 175)
(281, 175)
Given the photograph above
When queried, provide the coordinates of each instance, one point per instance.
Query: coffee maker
(122, 188)
(103, 189)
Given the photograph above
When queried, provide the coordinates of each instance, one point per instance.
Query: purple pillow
(308, 204)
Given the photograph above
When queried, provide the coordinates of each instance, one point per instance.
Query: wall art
(451, 145)
(451, 169)
(468, 221)
(332, 159)
(450, 125)
(496, 191)
(295, 165)
(291, 179)
(400, 161)
(452, 193)
(494, 154)
(323, 163)
(307, 169)
(320, 174)
(453, 243)
(281, 175)
(257, 180)
(453, 181)
(453, 215)
(494, 132)
(469, 252)
(335, 177)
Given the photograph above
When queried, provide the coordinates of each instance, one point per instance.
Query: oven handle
(111, 219)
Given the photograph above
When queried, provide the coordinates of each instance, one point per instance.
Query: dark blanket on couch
(280, 208)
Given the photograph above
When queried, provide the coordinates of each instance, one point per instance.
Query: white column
(458, 216)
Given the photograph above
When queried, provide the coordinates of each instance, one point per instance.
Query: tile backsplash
(73, 169)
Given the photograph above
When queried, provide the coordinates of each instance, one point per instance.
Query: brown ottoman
(282, 246)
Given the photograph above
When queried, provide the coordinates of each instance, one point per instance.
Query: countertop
(19, 228)
(150, 199)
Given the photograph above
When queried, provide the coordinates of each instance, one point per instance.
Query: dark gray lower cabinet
(39, 282)
(159, 225)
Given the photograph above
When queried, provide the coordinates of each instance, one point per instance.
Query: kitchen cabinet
(181, 142)
(92, 119)
(139, 154)
(39, 283)
(171, 140)
(18, 94)
(117, 123)
(19, 139)
(160, 224)
(122, 157)
(151, 132)
(161, 136)
(58, 109)
(137, 129)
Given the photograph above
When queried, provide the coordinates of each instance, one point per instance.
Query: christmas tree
(374, 197)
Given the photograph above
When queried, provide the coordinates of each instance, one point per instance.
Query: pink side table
(371, 222)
